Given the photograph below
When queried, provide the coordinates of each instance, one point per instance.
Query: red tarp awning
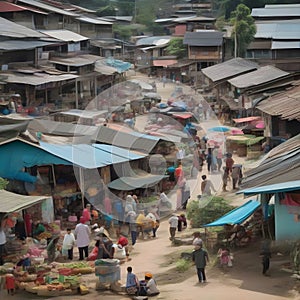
(164, 63)
(182, 116)
(248, 119)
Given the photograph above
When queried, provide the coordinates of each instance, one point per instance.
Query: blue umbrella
(180, 104)
(219, 129)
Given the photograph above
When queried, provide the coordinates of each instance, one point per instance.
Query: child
(51, 249)
(224, 256)
(68, 243)
(10, 283)
(132, 282)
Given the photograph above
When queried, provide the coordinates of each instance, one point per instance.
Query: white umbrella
(143, 85)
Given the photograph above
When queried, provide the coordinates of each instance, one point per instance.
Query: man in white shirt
(82, 234)
(152, 289)
(173, 221)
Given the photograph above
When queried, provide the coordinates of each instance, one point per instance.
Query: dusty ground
(243, 281)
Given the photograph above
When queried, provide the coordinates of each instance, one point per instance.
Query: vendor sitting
(38, 228)
(151, 286)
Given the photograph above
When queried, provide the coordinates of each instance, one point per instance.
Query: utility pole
(134, 11)
(235, 37)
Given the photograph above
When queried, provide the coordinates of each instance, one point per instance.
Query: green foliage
(107, 10)
(244, 28)
(177, 48)
(124, 32)
(3, 183)
(183, 265)
(207, 210)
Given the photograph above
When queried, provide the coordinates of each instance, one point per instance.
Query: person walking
(236, 175)
(173, 221)
(225, 179)
(266, 255)
(206, 186)
(82, 234)
(200, 258)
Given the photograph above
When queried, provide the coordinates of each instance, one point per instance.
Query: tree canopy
(177, 48)
(244, 29)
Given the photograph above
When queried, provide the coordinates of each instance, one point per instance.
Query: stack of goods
(107, 270)
(75, 268)
(53, 284)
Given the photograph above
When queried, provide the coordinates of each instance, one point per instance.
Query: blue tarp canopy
(236, 216)
(120, 65)
(16, 155)
(273, 188)
(88, 156)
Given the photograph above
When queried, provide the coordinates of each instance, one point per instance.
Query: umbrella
(219, 129)
(143, 85)
(180, 104)
(162, 105)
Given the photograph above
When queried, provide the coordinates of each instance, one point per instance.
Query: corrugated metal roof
(130, 140)
(47, 7)
(203, 38)
(14, 30)
(153, 40)
(269, 12)
(278, 30)
(229, 69)
(281, 164)
(125, 153)
(285, 45)
(197, 19)
(83, 155)
(36, 80)
(102, 68)
(286, 105)
(134, 182)
(76, 61)
(11, 7)
(14, 202)
(10, 45)
(281, 5)
(64, 35)
(262, 75)
(164, 20)
(85, 114)
(287, 186)
(62, 128)
(93, 21)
